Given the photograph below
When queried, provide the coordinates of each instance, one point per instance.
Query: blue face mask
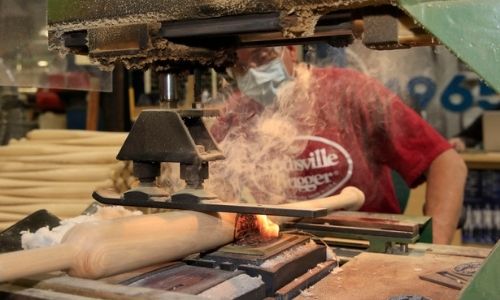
(261, 83)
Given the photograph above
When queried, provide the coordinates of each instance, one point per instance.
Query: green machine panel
(469, 28)
(485, 284)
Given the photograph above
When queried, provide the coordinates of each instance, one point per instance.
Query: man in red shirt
(347, 129)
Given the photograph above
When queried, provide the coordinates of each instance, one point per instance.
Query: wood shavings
(45, 237)
(330, 255)
(288, 255)
(337, 270)
(307, 293)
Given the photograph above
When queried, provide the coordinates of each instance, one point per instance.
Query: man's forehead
(247, 53)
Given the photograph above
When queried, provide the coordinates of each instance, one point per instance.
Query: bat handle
(350, 198)
(18, 264)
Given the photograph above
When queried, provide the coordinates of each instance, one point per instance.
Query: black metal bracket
(178, 201)
(180, 136)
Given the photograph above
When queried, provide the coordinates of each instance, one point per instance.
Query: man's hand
(458, 144)
(445, 187)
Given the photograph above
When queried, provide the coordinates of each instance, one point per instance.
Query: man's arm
(445, 187)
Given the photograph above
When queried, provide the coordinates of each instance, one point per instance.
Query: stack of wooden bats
(58, 170)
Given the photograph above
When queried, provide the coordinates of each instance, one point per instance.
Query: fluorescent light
(43, 63)
(44, 32)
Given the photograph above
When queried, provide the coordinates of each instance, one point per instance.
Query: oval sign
(320, 170)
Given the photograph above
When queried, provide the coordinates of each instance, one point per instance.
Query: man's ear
(290, 59)
(292, 50)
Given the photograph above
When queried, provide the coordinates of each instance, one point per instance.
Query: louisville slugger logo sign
(322, 169)
(315, 160)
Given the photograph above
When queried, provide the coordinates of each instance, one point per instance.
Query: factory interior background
(43, 90)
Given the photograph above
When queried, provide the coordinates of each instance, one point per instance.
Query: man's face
(259, 72)
(254, 57)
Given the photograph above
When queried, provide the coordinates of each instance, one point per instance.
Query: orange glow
(267, 228)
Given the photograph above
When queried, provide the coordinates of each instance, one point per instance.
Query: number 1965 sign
(460, 94)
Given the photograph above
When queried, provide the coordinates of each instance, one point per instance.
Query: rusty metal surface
(81, 13)
(93, 27)
(193, 202)
(56, 287)
(182, 278)
(301, 283)
(359, 219)
(354, 231)
(239, 255)
(285, 272)
(286, 261)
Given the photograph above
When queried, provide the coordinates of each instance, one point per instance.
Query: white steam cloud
(260, 150)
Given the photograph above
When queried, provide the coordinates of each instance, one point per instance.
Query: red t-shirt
(362, 130)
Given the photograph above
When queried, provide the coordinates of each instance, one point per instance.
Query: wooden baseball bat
(350, 198)
(27, 149)
(49, 192)
(63, 134)
(98, 249)
(9, 217)
(6, 224)
(95, 157)
(27, 167)
(70, 174)
(109, 141)
(12, 200)
(13, 183)
(59, 209)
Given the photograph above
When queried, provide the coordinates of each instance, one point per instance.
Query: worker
(361, 132)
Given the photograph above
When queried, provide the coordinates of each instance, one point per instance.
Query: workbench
(382, 276)
(366, 276)
(481, 160)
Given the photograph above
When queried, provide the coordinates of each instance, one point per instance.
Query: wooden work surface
(482, 160)
(380, 276)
